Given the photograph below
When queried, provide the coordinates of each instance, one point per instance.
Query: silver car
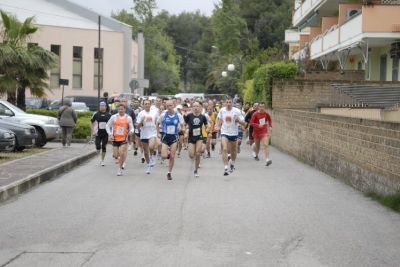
(47, 128)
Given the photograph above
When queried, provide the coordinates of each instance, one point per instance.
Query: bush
(248, 91)
(82, 128)
(264, 76)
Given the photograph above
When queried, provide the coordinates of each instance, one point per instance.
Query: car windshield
(15, 108)
(78, 105)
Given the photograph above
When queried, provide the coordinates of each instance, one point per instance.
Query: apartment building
(71, 31)
(351, 34)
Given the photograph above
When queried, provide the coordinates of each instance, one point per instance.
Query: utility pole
(99, 62)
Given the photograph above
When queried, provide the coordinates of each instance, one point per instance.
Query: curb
(12, 190)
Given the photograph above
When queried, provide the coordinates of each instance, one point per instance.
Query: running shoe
(226, 172)
(123, 166)
(169, 176)
(179, 155)
(256, 158)
(102, 163)
(269, 162)
(152, 162)
(148, 170)
(135, 153)
(196, 174)
(231, 167)
(119, 173)
(143, 160)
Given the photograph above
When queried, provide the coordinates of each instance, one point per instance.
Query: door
(395, 69)
(383, 68)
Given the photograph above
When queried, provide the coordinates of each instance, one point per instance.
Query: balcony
(337, 37)
(292, 36)
(304, 10)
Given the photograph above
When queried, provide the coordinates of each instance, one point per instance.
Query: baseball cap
(179, 107)
(102, 103)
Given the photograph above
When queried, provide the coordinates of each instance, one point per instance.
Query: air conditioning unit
(352, 12)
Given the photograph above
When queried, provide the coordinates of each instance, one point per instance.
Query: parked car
(55, 105)
(7, 140)
(91, 101)
(36, 103)
(79, 107)
(184, 96)
(46, 127)
(217, 97)
(25, 135)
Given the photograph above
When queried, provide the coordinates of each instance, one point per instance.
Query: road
(285, 215)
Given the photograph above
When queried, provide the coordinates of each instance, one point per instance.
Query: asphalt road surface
(287, 214)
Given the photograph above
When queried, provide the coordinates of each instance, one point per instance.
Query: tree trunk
(21, 98)
(12, 97)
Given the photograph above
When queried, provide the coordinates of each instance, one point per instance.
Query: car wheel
(17, 147)
(41, 137)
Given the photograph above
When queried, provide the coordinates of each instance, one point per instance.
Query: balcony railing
(337, 37)
(304, 10)
(292, 36)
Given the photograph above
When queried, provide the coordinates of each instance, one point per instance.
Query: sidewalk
(21, 175)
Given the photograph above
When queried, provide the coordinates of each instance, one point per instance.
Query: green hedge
(263, 77)
(82, 128)
(53, 113)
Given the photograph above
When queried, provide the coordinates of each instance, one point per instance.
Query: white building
(71, 31)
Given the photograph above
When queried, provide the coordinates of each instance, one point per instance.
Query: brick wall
(363, 153)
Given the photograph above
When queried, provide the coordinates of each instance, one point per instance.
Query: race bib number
(228, 119)
(171, 129)
(102, 125)
(120, 130)
(262, 122)
(196, 132)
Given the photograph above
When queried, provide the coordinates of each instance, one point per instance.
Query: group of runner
(166, 127)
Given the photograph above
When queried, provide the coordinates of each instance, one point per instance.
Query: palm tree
(22, 66)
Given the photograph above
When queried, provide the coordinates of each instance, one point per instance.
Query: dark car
(7, 140)
(25, 134)
(36, 103)
(92, 102)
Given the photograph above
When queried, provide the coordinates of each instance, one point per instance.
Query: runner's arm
(130, 125)
(110, 125)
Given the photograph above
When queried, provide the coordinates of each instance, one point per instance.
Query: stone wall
(363, 153)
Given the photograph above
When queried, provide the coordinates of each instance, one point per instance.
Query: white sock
(226, 167)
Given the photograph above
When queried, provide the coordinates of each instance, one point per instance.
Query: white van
(184, 96)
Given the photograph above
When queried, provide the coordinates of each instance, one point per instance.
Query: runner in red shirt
(262, 123)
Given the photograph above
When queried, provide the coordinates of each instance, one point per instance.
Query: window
(77, 68)
(395, 69)
(55, 72)
(98, 59)
(31, 45)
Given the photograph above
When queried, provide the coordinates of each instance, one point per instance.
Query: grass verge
(9, 156)
(392, 202)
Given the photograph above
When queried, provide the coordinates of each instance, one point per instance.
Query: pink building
(71, 31)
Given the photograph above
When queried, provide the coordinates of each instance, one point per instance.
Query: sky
(172, 6)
